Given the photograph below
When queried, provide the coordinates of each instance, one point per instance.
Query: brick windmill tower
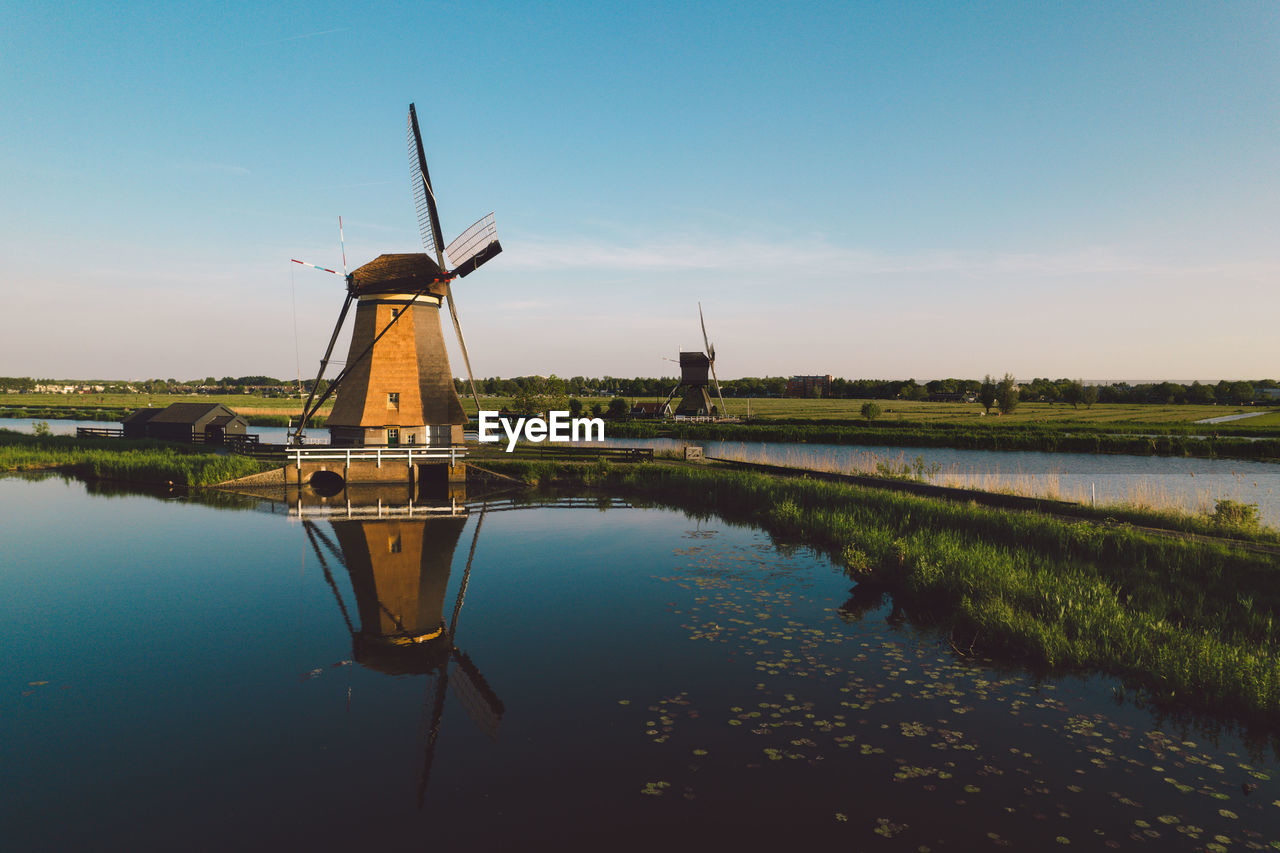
(397, 387)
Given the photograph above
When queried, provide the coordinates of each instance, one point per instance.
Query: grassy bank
(147, 462)
(1038, 438)
(68, 413)
(1194, 624)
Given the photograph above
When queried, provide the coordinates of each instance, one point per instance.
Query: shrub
(870, 411)
(1234, 515)
(857, 562)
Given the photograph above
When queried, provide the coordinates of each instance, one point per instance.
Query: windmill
(396, 385)
(694, 380)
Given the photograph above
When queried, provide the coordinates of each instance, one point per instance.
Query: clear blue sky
(864, 189)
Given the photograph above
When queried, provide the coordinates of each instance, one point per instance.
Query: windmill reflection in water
(399, 566)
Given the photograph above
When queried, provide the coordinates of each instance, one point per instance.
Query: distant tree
(1073, 393)
(1007, 394)
(575, 407)
(526, 402)
(1089, 395)
(618, 408)
(870, 411)
(987, 393)
(1169, 392)
(1202, 394)
(25, 384)
(913, 391)
(1241, 392)
(597, 410)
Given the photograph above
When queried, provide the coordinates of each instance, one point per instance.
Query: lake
(239, 675)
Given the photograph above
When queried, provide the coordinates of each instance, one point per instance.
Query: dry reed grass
(1139, 493)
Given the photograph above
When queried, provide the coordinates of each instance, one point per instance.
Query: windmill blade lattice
(474, 247)
(424, 198)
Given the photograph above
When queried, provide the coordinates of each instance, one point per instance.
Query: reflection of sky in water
(665, 682)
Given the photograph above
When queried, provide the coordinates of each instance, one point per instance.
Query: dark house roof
(141, 416)
(190, 413)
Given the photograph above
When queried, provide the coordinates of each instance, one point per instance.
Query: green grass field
(909, 410)
(245, 404)
(1271, 419)
(892, 410)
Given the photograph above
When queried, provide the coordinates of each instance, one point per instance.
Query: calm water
(1190, 484)
(186, 676)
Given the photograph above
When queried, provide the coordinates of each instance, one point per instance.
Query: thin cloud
(303, 36)
(218, 168)
(819, 259)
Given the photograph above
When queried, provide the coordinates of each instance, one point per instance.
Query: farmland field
(891, 410)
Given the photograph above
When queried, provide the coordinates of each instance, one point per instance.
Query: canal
(239, 674)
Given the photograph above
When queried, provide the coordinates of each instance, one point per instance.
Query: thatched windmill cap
(409, 273)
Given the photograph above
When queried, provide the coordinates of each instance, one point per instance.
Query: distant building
(193, 423)
(1267, 395)
(651, 410)
(803, 386)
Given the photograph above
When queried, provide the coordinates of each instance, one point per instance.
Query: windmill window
(393, 545)
(393, 400)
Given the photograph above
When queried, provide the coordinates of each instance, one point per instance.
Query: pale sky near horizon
(878, 190)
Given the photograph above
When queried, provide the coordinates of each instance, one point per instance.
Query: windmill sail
(474, 246)
(424, 197)
(711, 359)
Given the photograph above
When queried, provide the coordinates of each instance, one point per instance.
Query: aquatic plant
(1193, 623)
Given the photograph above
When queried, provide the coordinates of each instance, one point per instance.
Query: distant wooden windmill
(396, 386)
(694, 380)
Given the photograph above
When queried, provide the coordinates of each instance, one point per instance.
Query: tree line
(1070, 391)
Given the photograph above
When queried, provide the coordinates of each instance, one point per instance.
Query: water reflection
(671, 681)
(398, 565)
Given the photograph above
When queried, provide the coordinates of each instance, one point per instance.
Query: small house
(651, 410)
(192, 423)
(135, 425)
